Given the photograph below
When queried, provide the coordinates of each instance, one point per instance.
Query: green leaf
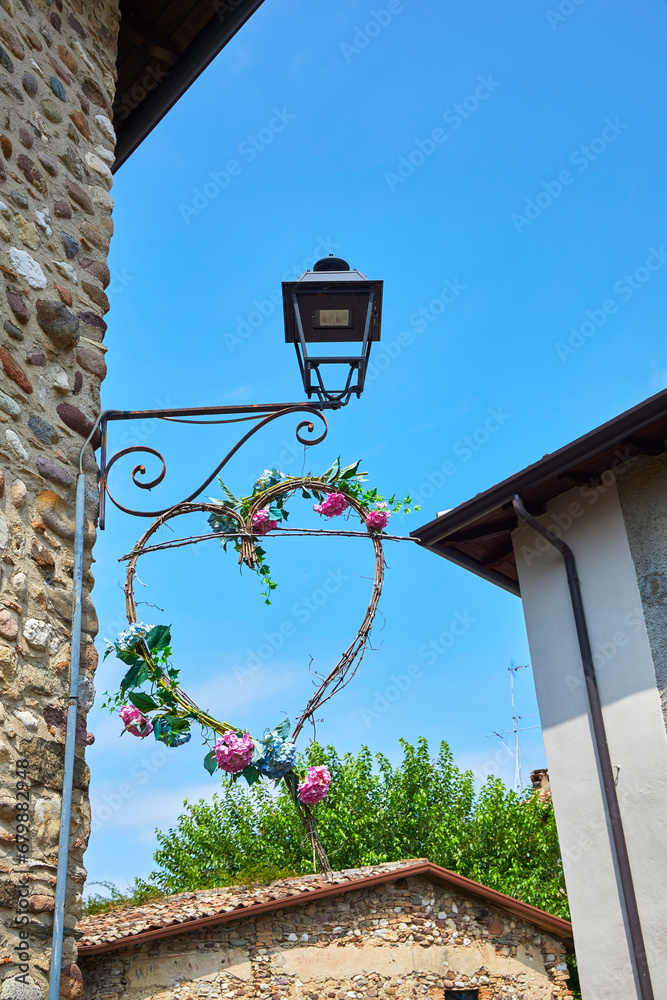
(332, 472)
(251, 774)
(159, 637)
(350, 470)
(230, 499)
(306, 496)
(293, 781)
(211, 762)
(143, 702)
(129, 657)
(283, 730)
(177, 722)
(135, 676)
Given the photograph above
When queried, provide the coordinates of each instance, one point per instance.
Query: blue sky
(502, 170)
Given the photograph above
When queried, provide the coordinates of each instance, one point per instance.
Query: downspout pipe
(620, 848)
(70, 743)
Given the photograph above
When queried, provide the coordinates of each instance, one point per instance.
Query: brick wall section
(57, 78)
(364, 936)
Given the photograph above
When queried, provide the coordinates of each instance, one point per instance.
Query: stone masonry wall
(644, 502)
(402, 939)
(57, 79)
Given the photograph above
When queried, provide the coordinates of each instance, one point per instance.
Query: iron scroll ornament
(202, 417)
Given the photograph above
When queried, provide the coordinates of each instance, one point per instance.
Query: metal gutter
(546, 921)
(229, 17)
(619, 846)
(70, 746)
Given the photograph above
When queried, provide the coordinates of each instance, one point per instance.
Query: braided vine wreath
(168, 712)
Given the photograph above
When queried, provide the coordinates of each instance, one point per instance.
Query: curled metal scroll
(140, 470)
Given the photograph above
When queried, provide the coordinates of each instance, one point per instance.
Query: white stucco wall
(591, 522)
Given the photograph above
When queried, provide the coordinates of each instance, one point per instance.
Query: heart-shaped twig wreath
(166, 711)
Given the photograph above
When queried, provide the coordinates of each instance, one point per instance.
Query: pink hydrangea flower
(135, 722)
(316, 785)
(233, 752)
(261, 521)
(377, 519)
(332, 506)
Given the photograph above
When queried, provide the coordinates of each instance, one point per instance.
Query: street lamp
(332, 306)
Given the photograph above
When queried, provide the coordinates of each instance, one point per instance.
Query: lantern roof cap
(331, 263)
(332, 269)
(329, 276)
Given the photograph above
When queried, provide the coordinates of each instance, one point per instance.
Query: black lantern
(334, 307)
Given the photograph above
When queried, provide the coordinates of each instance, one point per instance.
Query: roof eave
(545, 921)
(614, 433)
(467, 562)
(190, 65)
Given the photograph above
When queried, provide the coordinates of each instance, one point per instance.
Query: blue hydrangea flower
(165, 734)
(130, 636)
(278, 758)
(222, 523)
(269, 478)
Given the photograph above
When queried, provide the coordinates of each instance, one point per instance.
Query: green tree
(423, 807)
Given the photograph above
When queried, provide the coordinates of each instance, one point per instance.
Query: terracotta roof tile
(186, 906)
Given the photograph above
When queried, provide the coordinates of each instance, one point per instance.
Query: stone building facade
(57, 78)
(412, 930)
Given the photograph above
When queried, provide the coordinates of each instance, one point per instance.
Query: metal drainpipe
(70, 738)
(619, 845)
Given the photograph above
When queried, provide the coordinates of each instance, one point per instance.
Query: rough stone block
(24, 988)
(58, 323)
(46, 762)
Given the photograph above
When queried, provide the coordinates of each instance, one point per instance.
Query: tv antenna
(513, 669)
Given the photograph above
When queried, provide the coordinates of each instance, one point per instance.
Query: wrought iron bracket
(260, 414)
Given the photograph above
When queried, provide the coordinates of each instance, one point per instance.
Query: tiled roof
(121, 927)
(169, 910)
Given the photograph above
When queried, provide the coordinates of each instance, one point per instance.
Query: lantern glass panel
(333, 318)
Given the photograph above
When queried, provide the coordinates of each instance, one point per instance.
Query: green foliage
(147, 651)
(376, 812)
(344, 480)
(573, 973)
(140, 893)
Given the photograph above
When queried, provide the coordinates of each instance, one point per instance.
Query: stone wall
(402, 939)
(644, 503)
(57, 77)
